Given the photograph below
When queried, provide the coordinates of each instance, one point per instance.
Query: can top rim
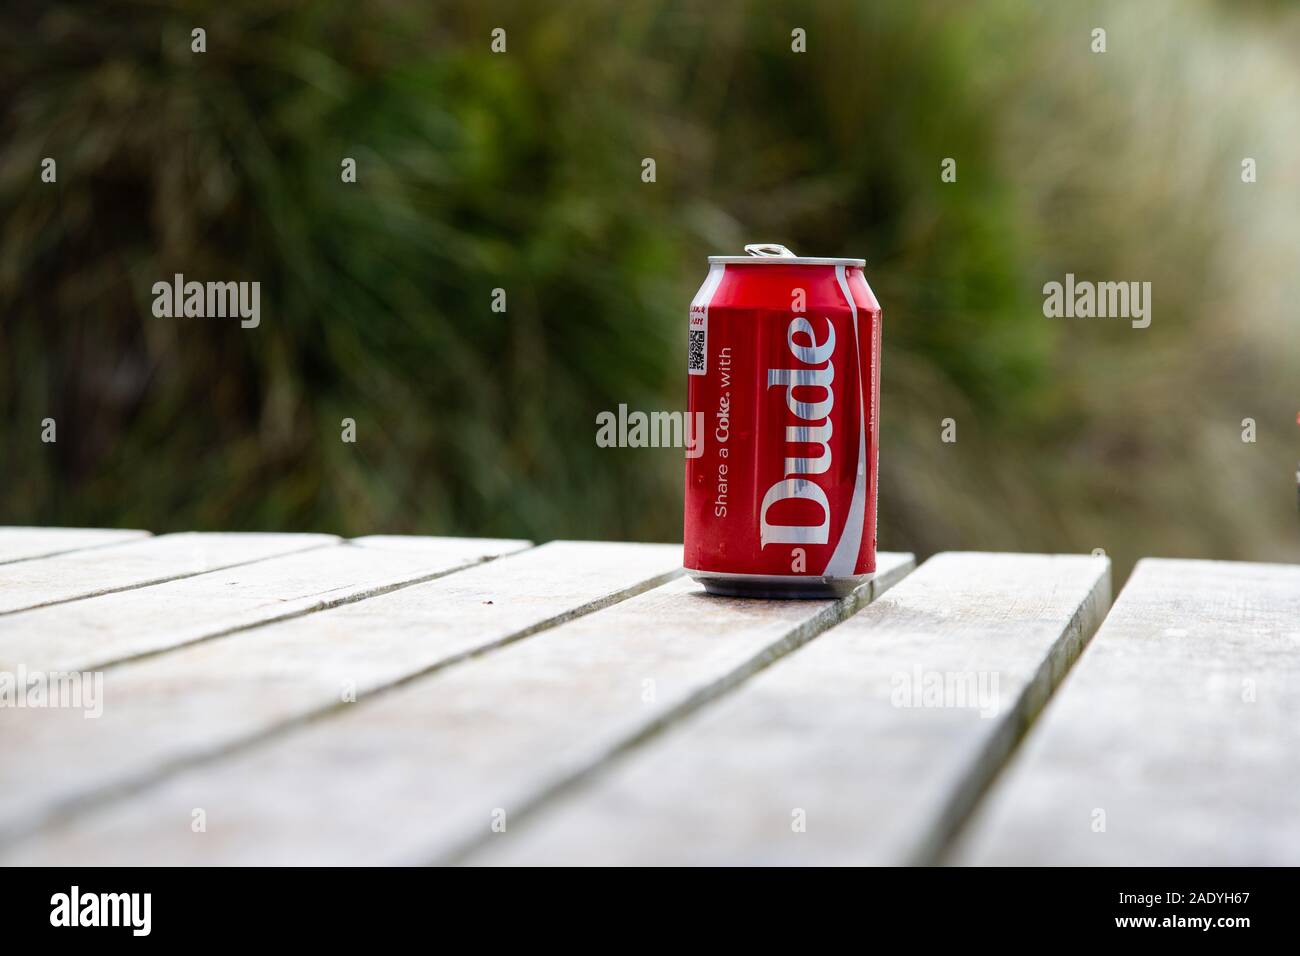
(784, 261)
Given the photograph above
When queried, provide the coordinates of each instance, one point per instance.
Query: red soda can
(783, 369)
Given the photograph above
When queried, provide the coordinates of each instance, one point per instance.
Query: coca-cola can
(784, 371)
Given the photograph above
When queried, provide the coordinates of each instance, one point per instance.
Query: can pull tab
(769, 250)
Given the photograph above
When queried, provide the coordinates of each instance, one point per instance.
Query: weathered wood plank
(417, 772)
(407, 542)
(82, 574)
(867, 746)
(101, 631)
(22, 544)
(163, 712)
(1178, 731)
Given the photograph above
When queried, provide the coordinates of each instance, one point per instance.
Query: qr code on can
(695, 351)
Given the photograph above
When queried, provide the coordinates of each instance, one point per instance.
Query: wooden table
(296, 698)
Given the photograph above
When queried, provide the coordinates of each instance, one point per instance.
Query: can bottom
(781, 587)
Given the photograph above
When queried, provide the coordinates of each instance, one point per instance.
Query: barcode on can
(697, 341)
(695, 351)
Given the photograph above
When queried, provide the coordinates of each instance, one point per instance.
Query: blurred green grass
(521, 171)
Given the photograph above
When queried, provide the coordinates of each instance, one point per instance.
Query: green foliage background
(522, 171)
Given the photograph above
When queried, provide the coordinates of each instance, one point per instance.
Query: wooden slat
(82, 574)
(1178, 731)
(405, 542)
(844, 753)
(415, 773)
(100, 631)
(178, 708)
(23, 544)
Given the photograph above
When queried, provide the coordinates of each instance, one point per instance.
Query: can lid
(766, 253)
